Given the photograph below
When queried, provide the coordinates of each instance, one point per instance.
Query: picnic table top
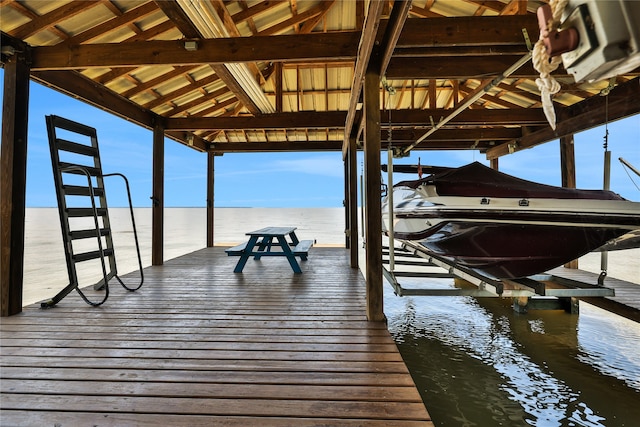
(272, 231)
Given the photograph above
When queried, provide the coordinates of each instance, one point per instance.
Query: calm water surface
(475, 361)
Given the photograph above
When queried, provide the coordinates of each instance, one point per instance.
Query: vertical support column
(278, 78)
(345, 202)
(13, 183)
(353, 201)
(373, 214)
(493, 163)
(568, 171)
(210, 198)
(157, 222)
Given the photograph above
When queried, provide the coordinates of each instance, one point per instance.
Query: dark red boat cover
(476, 179)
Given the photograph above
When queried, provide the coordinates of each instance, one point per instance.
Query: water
(475, 361)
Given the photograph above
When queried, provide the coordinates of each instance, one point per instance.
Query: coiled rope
(545, 64)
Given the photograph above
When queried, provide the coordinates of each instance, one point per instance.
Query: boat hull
(512, 250)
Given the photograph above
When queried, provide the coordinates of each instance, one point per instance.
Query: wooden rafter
(579, 117)
(119, 21)
(49, 20)
(184, 24)
(367, 40)
(251, 12)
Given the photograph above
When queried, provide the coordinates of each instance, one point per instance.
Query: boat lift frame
(487, 287)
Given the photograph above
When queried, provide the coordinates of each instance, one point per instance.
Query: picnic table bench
(271, 241)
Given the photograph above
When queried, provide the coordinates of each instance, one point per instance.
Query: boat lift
(536, 287)
(530, 292)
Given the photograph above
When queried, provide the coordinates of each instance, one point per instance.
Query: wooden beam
(462, 68)
(447, 134)
(306, 119)
(458, 51)
(375, 307)
(299, 47)
(468, 31)
(495, 117)
(80, 87)
(335, 120)
(210, 199)
(157, 215)
(580, 117)
(274, 146)
(174, 12)
(13, 181)
(76, 85)
(394, 27)
(365, 48)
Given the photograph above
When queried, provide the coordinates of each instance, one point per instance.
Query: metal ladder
(82, 206)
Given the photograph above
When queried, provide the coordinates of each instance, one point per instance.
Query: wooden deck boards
(626, 301)
(199, 345)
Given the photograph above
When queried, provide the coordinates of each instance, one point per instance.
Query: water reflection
(477, 363)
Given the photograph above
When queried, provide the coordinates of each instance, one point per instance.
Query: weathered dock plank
(199, 345)
(625, 303)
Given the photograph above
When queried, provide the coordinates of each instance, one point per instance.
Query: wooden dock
(625, 303)
(198, 345)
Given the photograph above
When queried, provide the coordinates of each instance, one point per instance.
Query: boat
(504, 227)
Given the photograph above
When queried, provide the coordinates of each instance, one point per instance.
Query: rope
(545, 65)
(624, 167)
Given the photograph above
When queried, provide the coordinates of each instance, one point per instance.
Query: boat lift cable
(606, 184)
(480, 91)
(628, 166)
(391, 90)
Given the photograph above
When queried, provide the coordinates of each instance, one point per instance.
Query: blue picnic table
(271, 241)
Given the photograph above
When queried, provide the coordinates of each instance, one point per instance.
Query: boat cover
(476, 179)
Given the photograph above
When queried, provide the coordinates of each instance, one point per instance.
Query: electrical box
(609, 38)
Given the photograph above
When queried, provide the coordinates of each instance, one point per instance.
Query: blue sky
(284, 179)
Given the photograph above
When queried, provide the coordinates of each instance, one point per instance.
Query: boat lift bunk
(536, 292)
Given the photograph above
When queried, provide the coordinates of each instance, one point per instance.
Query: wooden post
(568, 171)
(353, 201)
(568, 161)
(373, 213)
(278, 84)
(13, 180)
(157, 222)
(210, 194)
(493, 163)
(345, 202)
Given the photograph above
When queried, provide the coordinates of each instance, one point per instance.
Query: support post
(13, 180)
(493, 163)
(373, 213)
(568, 171)
(278, 78)
(157, 222)
(210, 198)
(353, 201)
(345, 202)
